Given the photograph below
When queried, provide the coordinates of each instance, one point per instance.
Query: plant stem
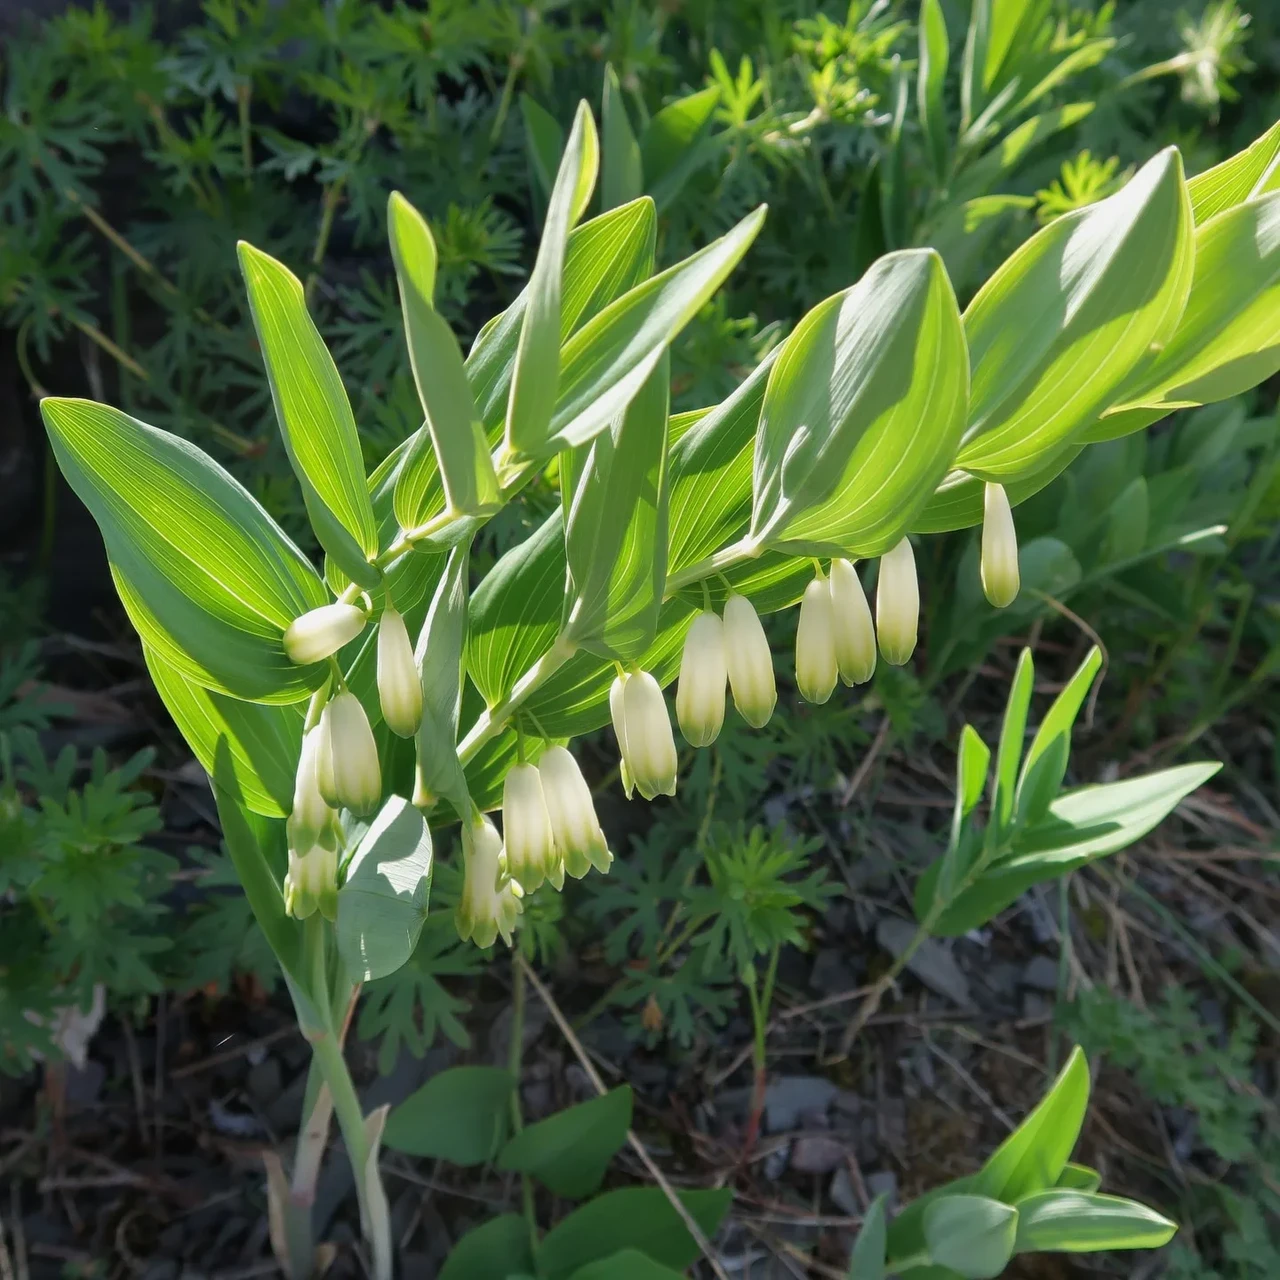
(332, 194)
(872, 1002)
(760, 1000)
(725, 558)
(515, 1056)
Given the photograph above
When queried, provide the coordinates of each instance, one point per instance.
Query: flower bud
(618, 716)
(579, 840)
(310, 811)
(816, 643)
(1000, 580)
(490, 900)
(897, 604)
(315, 635)
(399, 685)
(526, 828)
(748, 662)
(311, 882)
(700, 693)
(324, 758)
(357, 776)
(855, 635)
(648, 745)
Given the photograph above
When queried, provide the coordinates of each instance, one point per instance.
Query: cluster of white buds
(314, 836)
(732, 651)
(490, 901)
(643, 729)
(1000, 577)
(835, 637)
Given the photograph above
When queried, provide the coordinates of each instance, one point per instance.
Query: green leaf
(1242, 176)
(383, 899)
(616, 530)
(207, 577)
(622, 179)
(570, 1151)
(451, 444)
(628, 1264)
(1058, 328)
(863, 411)
(1079, 1177)
(495, 1250)
(972, 763)
(974, 66)
(607, 361)
(316, 422)
(1009, 752)
(971, 1234)
(1228, 340)
(893, 173)
(440, 655)
(1060, 1221)
(263, 741)
(935, 49)
(635, 1217)
(544, 141)
(1128, 522)
(1046, 762)
(677, 143)
(460, 1115)
(867, 1260)
(1033, 1156)
(535, 373)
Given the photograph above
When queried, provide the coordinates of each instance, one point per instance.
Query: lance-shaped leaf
(544, 141)
(935, 49)
(261, 742)
(208, 578)
(677, 142)
(1229, 337)
(535, 375)
(608, 360)
(439, 654)
(452, 430)
(863, 411)
(316, 422)
(1066, 1221)
(1240, 177)
(616, 530)
(1060, 326)
(622, 180)
(383, 899)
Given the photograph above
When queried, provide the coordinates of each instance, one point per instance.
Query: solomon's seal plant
(334, 746)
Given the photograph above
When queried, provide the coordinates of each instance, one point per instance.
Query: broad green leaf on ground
(971, 1234)
(263, 742)
(608, 360)
(461, 1115)
(315, 417)
(626, 1264)
(1228, 340)
(1063, 1221)
(622, 179)
(616, 530)
(1056, 331)
(569, 1151)
(383, 899)
(498, 1249)
(210, 580)
(1240, 177)
(535, 372)
(677, 142)
(862, 413)
(868, 1257)
(451, 445)
(634, 1217)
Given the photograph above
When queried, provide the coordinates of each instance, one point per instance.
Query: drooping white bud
(855, 634)
(579, 839)
(490, 901)
(313, 636)
(311, 882)
(357, 776)
(816, 666)
(399, 685)
(324, 758)
(650, 752)
(617, 713)
(526, 828)
(700, 692)
(310, 810)
(897, 604)
(748, 662)
(1000, 578)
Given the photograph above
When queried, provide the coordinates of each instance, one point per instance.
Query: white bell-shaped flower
(617, 713)
(700, 692)
(399, 685)
(897, 604)
(816, 666)
(748, 662)
(855, 633)
(357, 776)
(310, 810)
(1000, 577)
(579, 838)
(490, 901)
(311, 882)
(315, 635)
(526, 828)
(643, 727)
(324, 758)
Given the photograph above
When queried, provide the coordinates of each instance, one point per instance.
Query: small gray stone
(1041, 974)
(883, 1183)
(932, 962)
(1034, 1005)
(790, 1097)
(775, 1163)
(842, 1194)
(816, 1153)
